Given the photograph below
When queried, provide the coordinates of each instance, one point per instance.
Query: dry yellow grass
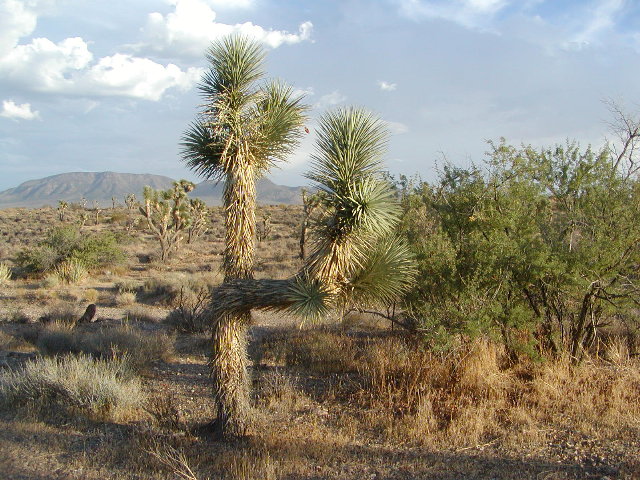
(354, 401)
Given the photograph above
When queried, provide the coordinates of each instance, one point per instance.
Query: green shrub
(99, 251)
(66, 243)
(101, 389)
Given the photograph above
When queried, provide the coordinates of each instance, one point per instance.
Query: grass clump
(100, 389)
(70, 271)
(5, 273)
(142, 349)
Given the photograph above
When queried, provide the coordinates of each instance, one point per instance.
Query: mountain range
(101, 187)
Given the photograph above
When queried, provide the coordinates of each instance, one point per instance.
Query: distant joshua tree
(130, 201)
(198, 210)
(97, 210)
(265, 228)
(309, 203)
(168, 215)
(62, 208)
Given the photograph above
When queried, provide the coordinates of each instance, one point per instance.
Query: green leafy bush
(538, 248)
(68, 244)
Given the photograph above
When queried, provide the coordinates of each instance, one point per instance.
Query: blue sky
(110, 85)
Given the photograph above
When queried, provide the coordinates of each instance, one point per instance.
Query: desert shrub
(100, 389)
(175, 291)
(536, 248)
(70, 271)
(5, 273)
(50, 280)
(125, 298)
(91, 295)
(100, 250)
(139, 313)
(126, 286)
(61, 313)
(64, 244)
(118, 218)
(164, 291)
(190, 314)
(39, 259)
(317, 350)
(141, 348)
(277, 390)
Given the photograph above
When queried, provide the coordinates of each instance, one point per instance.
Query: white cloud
(16, 21)
(125, 75)
(475, 14)
(329, 100)
(396, 128)
(12, 110)
(600, 19)
(67, 68)
(45, 66)
(386, 86)
(231, 4)
(306, 92)
(192, 26)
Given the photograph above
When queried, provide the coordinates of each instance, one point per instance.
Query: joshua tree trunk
(231, 381)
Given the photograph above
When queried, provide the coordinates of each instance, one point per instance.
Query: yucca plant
(356, 259)
(5, 273)
(244, 127)
(70, 271)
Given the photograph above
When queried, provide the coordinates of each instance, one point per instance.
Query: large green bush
(539, 248)
(64, 244)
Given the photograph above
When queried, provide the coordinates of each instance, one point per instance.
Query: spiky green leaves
(349, 148)
(382, 275)
(356, 254)
(309, 298)
(244, 127)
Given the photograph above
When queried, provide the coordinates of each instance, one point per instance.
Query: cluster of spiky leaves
(356, 254)
(245, 127)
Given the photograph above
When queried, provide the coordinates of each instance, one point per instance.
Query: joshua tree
(168, 214)
(244, 127)
(356, 260)
(130, 201)
(265, 229)
(199, 222)
(309, 204)
(62, 208)
(97, 210)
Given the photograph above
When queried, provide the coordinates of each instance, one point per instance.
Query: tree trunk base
(231, 381)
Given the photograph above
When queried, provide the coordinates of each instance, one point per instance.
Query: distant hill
(269, 193)
(102, 186)
(71, 187)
